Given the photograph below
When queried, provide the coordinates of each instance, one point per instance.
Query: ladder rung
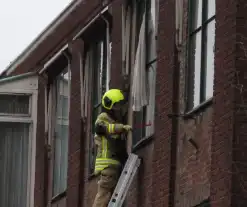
(125, 181)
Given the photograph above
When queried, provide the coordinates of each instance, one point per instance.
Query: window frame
(190, 79)
(94, 108)
(140, 115)
(143, 133)
(53, 118)
(29, 87)
(19, 115)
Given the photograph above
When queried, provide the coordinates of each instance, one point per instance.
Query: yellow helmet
(112, 97)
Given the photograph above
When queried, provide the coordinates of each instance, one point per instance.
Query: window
(95, 70)
(61, 127)
(18, 108)
(141, 58)
(201, 52)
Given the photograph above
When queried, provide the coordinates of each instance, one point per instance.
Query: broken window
(201, 52)
(18, 117)
(139, 41)
(61, 127)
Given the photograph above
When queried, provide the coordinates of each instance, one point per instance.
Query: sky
(21, 22)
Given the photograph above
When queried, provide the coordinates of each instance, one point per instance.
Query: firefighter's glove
(127, 128)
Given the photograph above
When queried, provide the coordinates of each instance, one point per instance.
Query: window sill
(58, 197)
(143, 142)
(190, 114)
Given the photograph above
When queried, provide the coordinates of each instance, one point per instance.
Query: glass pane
(210, 59)
(63, 111)
(196, 14)
(98, 66)
(139, 132)
(139, 14)
(196, 67)
(61, 159)
(14, 104)
(14, 146)
(62, 135)
(211, 8)
(63, 95)
(151, 46)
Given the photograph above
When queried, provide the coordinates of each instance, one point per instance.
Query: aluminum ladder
(125, 181)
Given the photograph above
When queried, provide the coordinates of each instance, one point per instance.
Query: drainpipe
(175, 130)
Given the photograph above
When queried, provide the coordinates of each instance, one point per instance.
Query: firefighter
(110, 143)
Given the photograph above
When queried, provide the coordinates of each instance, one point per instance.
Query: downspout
(175, 129)
(175, 100)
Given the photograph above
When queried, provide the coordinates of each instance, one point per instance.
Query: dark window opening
(95, 60)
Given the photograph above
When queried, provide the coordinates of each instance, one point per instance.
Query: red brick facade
(174, 173)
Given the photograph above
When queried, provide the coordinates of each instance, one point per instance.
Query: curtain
(14, 160)
(139, 85)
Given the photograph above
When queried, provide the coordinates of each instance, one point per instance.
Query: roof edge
(17, 77)
(39, 39)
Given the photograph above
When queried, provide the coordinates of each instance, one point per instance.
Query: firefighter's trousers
(106, 185)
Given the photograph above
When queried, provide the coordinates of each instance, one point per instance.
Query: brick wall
(223, 116)
(174, 173)
(75, 138)
(193, 162)
(116, 35)
(161, 168)
(239, 170)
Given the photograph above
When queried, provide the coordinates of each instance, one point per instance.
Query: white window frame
(27, 86)
(197, 85)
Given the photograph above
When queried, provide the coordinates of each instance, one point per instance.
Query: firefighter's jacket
(109, 142)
